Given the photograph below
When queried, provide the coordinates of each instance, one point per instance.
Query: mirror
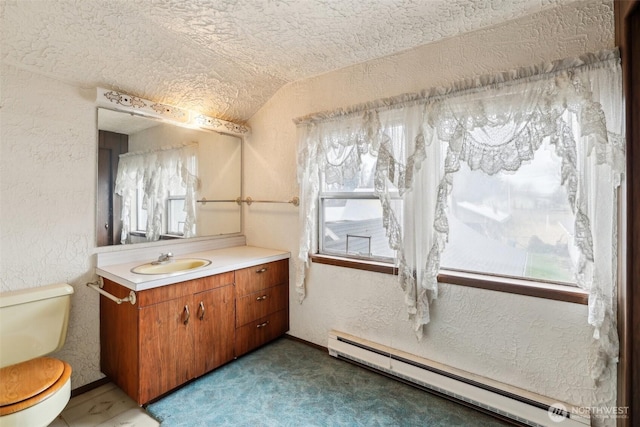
(217, 162)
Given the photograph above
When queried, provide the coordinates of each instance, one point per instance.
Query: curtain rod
(465, 85)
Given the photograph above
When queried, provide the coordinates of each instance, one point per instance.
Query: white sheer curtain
(158, 171)
(494, 123)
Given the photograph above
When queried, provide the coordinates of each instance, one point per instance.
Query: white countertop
(222, 261)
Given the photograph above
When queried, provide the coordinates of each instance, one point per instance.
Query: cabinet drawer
(256, 278)
(177, 290)
(256, 333)
(259, 304)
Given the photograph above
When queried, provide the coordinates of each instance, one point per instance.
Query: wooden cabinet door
(214, 328)
(166, 346)
(119, 340)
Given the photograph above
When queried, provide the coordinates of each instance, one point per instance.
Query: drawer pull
(262, 325)
(201, 311)
(262, 270)
(262, 298)
(187, 315)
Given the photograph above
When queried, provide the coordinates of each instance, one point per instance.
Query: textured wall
(532, 343)
(47, 202)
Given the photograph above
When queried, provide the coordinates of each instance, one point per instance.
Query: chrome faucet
(165, 257)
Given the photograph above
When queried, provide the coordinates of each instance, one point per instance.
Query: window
(515, 224)
(176, 215)
(350, 212)
(351, 217)
(173, 215)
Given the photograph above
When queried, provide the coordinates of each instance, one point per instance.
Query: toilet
(34, 389)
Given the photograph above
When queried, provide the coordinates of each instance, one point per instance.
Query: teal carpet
(288, 383)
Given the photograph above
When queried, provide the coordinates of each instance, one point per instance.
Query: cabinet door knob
(262, 325)
(262, 270)
(262, 298)
(201, 311)
(187, 315)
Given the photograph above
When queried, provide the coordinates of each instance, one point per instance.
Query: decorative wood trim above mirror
(132, 104)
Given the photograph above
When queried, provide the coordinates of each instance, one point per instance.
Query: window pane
(176, 216)
(514, 224)
(354, 227)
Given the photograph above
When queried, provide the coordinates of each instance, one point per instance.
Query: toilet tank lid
(34, 294)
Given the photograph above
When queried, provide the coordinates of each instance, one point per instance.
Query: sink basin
(173, 266)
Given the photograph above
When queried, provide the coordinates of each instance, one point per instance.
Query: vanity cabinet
(262, 304)
(171, 335)
(175, 333)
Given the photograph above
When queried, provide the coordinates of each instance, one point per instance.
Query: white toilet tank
(33, 322)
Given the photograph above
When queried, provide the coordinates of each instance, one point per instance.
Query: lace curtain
(494, 123)
(156, 172)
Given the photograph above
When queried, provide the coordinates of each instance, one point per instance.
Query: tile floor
(105, 406)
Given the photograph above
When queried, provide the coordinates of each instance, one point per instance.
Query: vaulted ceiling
(226, 58)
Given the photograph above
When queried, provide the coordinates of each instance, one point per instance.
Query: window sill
(358, 264)
(552, 291)
(512, 285)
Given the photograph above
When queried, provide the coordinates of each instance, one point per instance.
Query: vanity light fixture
(120, 101)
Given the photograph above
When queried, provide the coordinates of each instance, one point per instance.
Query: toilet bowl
(34, 389)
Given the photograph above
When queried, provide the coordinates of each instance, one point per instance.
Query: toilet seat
(27, 388)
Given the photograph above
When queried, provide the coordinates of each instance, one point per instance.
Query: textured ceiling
(226, 58)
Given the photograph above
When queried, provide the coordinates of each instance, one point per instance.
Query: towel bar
(97, 286)
(295, 201)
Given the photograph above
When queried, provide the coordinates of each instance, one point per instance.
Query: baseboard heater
(505, 401)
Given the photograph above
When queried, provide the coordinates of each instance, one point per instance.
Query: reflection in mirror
(151, 173)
